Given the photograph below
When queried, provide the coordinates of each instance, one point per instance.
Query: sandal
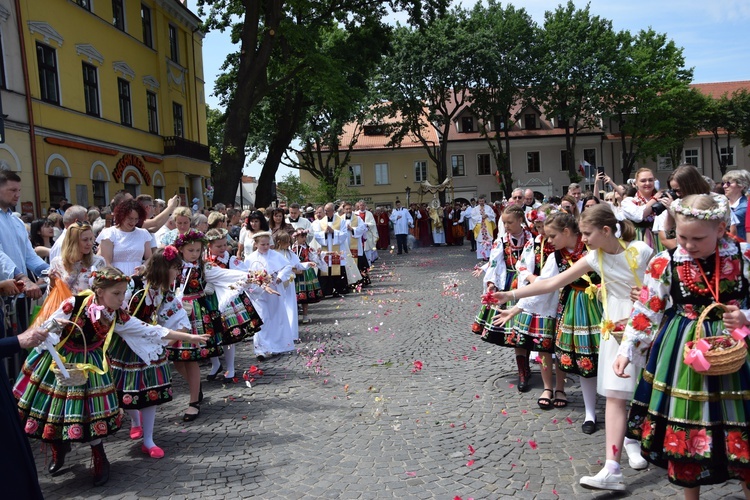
(189, 417)
(560, 403)
(545, 403)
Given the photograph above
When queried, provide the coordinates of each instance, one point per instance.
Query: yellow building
(115, 101)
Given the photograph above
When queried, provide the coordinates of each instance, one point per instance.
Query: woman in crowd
(735, 183)
(684, 181)
(277, 223)
(41, 234)
(569, 205)
(124, 245)
(182, 218)
(639, 209)
(256, 222)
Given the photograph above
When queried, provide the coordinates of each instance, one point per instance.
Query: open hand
(503, 317)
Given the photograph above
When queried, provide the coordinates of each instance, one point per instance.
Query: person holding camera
(642, 208)
(684, 181)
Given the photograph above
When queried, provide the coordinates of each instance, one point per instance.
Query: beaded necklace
(512, 250)
(690, 284)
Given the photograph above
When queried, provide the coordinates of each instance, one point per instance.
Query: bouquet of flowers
(209, 193)
(260, 278)
(488, 299)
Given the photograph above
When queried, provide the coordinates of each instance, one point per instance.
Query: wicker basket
(722, 362)
(78, 376)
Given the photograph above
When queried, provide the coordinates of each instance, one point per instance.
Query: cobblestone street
(352, 415)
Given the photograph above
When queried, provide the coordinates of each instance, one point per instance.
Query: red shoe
(153, 452)
(136, 432)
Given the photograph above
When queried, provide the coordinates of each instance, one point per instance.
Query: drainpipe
(29, 108)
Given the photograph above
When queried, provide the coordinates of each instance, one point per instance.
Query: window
(100, 193)
(589, 156)
(420, 171)
(727, 154)
(56, 187)
(179, 131)
(86, 4)
(499, 123)
(381, 173)
(564, 160)
(47, 60)
(467, 124)
(2, 64)
(664, 163)
(159, 192)
(355, 175)
(457, 165)
(483, 164)
(532, 162)
(90, 89)
(118, 14)
(691, 157)
(123, 90)
(148, 38)
(153, 115)
(529, 121)
(173, 45)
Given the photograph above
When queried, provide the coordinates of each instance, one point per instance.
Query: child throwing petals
(59, 413)
(693, 424)
(306, 285)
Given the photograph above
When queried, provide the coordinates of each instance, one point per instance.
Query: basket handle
(702, 318)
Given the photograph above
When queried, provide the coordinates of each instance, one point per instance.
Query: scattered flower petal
(533, 444)
(471, 450)
(469, 463)
(411, 474)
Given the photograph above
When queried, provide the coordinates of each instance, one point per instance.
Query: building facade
(104, 96)
(537, 149)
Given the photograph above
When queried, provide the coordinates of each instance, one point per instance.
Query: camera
(659, 207)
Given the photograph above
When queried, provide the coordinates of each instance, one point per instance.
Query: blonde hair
(69, 251)
(601, 216)
(182, 212)
(282, 239)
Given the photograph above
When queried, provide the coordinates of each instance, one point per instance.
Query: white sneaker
(635, 459)
(605, 480)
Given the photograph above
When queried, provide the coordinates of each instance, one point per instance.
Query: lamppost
(408, 192)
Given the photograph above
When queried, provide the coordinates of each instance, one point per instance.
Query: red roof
(380, 141)
(717, 89)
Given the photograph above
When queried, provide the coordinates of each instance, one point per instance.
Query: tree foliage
(725, 118)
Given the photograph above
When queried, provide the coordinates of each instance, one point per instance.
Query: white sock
(148, 417)
(612, 466)
(632, 441)
(229, 359)
(215, 365)
(135, 418)
(588, 387)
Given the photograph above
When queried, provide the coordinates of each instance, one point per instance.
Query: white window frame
(489, 161)
(539, 158)
(723, 152)
(353, 175)
(420, 166)
(381, 168)
(697, 157)
(596, 155)
(455, 163)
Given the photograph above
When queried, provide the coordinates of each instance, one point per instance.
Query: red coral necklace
(690, 283)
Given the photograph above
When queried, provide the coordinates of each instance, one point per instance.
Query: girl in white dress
(76, 261)
(621, 264)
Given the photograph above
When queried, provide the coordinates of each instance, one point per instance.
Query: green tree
(215, 130)
(504, 60)
(742, 98)
(276, 41)
(425, 84)
(578, 52)
(649, 71)
(293, 190)
(725, 118)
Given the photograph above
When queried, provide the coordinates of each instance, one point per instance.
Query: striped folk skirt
(204, 319)
(240, 320)
(138, 384)
(308, 287)
(578, 333)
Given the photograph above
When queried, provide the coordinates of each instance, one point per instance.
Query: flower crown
(217, 234)
(541, 215)
(191, 236)
(300, 232)
(718, 213)
(170, 252)
(109, 275)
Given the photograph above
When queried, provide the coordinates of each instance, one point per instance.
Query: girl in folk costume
(306, 284)
(142, 386)
(639, 209)
(691, 422)
(59, 413)
(483, 227)
(501, 273)
(534, 328)
(621, 263)
(240, 318)
(289, 294)
(579, 312)
(276, 335)
(76, 261)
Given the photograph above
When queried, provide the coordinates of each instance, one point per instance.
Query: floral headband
(541, 215)
(718, 213)
(109, 275)
(300, 232)
(191, 236)
(218, 234)
(170, 252)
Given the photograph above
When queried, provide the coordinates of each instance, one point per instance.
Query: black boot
(59, 450)
(101, 465)
(523, 379)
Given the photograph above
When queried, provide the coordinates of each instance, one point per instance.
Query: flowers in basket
(725, 350)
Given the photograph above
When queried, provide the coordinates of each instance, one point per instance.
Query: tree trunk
(229, 172)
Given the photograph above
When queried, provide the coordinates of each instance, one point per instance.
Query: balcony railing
(179, 146)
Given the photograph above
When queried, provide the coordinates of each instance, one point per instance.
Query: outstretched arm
(548, 285)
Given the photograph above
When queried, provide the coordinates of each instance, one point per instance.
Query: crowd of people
(609, 288)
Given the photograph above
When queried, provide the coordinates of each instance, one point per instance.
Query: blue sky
(713, 34)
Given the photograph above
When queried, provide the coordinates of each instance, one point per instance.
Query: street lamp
(408, 192)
